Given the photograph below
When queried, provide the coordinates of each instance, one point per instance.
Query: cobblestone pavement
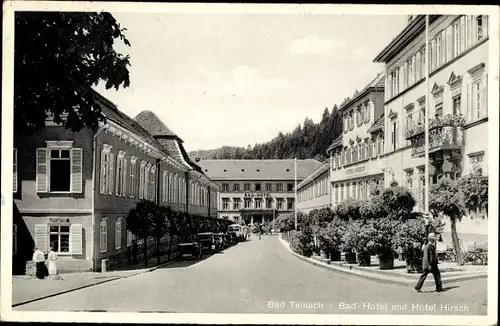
(261, 276)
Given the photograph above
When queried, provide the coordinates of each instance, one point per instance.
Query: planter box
(335, 256)
(386, 262)
(364, 259)
(350, 258)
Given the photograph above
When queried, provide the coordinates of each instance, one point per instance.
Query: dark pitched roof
(111, 112)
(150, 121)
(257, 169)
(377, 82)
(377, 125)
(319, 171)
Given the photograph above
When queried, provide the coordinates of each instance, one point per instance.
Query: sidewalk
(450, 272)
(27, 289)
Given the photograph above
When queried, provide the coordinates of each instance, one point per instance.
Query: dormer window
(287, 170)
(242, 170)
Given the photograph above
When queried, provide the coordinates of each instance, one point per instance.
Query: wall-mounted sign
(257, 194)
(356, 170)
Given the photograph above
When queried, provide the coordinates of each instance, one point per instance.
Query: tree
(139, 222)
(160, 225)
(445, 197)
(474, 188)
(398, 202)
(58, 56)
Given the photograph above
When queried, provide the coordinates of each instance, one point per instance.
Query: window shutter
(41, 170)
(41, 237)
(111, 175)
(124, 178)
(76, 239)
(76, 170)
(484, 97)
(14, 185)
(118, 233)
(102, 185)
(470, 109)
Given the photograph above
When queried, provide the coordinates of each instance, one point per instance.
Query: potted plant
(357, 238)
(409, 236)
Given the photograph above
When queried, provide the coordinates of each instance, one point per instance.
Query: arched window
(118, 233)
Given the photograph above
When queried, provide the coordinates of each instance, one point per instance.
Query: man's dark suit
(430, 265)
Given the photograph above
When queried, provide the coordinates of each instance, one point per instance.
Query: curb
(142, 271)
(377, 276)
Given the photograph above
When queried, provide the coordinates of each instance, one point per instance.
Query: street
(261, 276)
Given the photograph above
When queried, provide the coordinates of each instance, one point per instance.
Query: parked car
(189, 250)
(207, 242)
(236, 229)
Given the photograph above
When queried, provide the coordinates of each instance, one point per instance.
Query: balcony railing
(449, 120)
(446, 137)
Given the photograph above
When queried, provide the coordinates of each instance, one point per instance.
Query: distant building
(73, 190)
(458, 86)
(314, 191)
(255, 191)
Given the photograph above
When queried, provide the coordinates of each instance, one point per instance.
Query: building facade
(357, 155)
(256, 191)
(74, 189)
(457, 104)
(314, 191)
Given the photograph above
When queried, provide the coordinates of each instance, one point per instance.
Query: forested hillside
(309, 140)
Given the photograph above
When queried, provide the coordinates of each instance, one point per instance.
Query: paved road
(261, 276)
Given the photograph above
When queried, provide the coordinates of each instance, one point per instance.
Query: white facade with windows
(457, 105)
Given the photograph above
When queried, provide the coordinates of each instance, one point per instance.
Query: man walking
(39, 260)
(430, 265)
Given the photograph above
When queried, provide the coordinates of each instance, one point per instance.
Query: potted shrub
(306, 244)
(381, 240)
(357, 238)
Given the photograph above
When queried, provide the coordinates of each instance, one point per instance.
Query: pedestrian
(39, 259)
(430, 264)
(51, 263)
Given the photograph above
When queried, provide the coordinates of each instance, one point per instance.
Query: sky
(238, 79)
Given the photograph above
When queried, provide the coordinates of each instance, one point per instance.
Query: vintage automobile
(189, 250)
(236, 231)
(207, 242)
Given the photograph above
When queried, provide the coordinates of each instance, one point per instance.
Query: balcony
(417, 129)
(443, 138)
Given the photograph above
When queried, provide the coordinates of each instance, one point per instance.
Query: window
(130, 237)
(279, 187)
(120, 174)
(60, 165)
(248, 203)
(289, 187)
(456, 105)
(258, 187)
(59, 237)
(141, 179)
(103, 230)
(394, 135)
(118, 233)
(417, 66)
(269, 203)
(225, 187)
(246, 187)
(225, 204)
(479, 28)
(279, 204)
(439, 110)
(269, 187)
(146, 180)
(439, 58)
(456, 38)
(14, 186)
(132, 183)
(289, 204)
(258, 203)
(236, 187)
(236, 203)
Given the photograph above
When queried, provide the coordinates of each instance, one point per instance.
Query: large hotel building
(255, 191)
(383, 134)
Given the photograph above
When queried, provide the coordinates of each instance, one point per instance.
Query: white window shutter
(124, 177)
(76, 170)
(117, 178)
(41, 237)
(470, 108)
(111, 173)
(41, 170)
(76, 239)
(14, 185)
(118, 233)
(102, 181)
(484, 97)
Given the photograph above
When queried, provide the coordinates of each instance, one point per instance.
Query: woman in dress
(51, 263)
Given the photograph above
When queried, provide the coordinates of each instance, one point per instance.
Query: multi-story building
(255, 191)
(357, 155)
(457, 104)
(314, 191)
(74, 189)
